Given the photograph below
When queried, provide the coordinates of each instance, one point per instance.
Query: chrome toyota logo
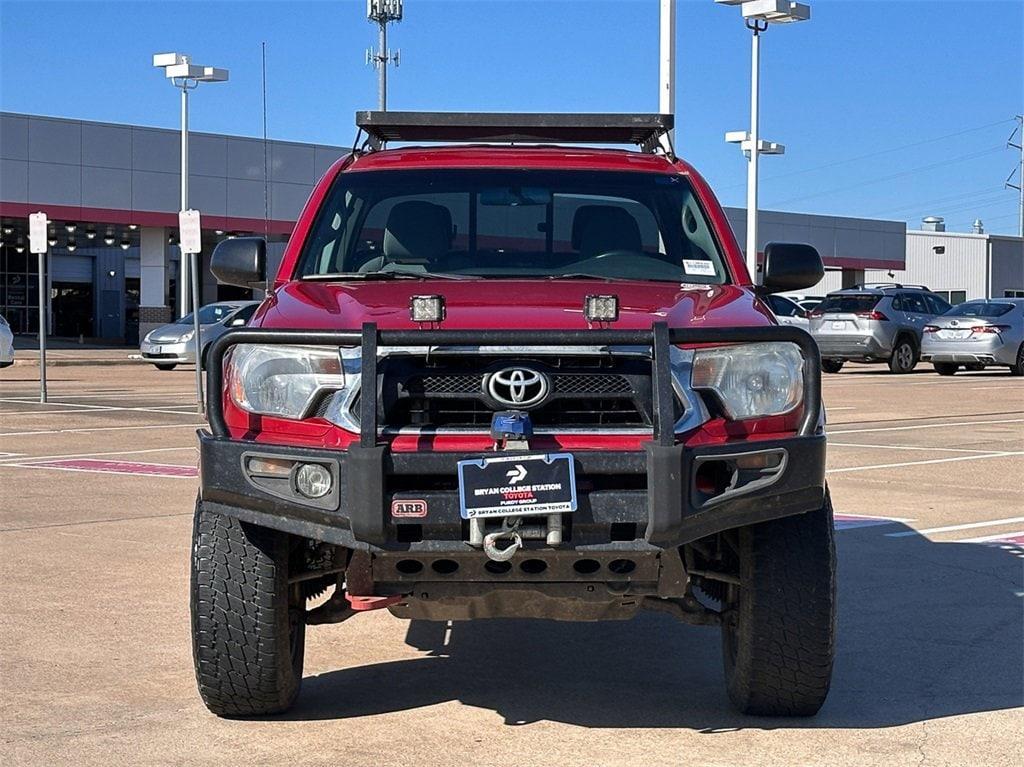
(517, 387)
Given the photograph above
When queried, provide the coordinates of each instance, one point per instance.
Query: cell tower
(382, 12)
(1018, 133)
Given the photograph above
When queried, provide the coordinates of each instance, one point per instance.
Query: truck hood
(508, 304)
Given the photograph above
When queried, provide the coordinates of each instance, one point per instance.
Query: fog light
(601, 308)
(313, 480)
(427, 308)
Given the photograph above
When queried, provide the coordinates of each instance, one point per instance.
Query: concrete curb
(60, 362)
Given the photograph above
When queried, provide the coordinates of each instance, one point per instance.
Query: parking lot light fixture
(186, 76)
(758, 14)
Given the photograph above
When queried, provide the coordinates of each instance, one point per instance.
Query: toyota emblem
(517, 387)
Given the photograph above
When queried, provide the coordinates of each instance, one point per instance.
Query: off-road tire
(832, 366)
(248, 624)
(778, 633)
(945, 368)
(170, 366)
(904, 356)
(1017, 369)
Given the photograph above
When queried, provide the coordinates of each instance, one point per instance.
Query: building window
(1013, 294)
(953, 297)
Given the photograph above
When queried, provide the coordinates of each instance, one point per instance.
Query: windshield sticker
(699, 266)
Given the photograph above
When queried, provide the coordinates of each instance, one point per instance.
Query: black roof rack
(643, 130)
(883, 285)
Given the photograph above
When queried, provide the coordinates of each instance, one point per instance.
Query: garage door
(72, 269)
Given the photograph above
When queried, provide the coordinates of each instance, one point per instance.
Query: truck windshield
(498, 224)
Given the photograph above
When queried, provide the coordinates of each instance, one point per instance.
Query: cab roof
(528, 157)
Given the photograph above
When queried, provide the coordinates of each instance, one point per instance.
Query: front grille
(586, 392)
(561, 383)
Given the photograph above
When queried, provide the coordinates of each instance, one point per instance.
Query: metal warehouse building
(959, 265)
(111, 192)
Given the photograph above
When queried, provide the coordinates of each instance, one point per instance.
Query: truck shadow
(926, 630)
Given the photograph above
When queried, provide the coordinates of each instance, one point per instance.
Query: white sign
(189, 232)
(699, 266)
(37, 224)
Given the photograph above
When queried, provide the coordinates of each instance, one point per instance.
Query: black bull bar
(663, 455)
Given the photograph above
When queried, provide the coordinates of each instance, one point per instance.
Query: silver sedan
(977, 334)
(173, 344)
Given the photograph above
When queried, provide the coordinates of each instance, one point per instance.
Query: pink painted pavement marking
(115, 467)
(852, 521)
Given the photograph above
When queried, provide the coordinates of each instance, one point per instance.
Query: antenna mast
(382, 12)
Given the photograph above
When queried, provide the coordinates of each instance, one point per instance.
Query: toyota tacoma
(507, 378)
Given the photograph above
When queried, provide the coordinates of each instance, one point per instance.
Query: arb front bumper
(383, 500)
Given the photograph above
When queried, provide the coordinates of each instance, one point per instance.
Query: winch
(511, 431)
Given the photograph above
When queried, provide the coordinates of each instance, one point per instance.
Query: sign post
(191, 238)
(37, 236)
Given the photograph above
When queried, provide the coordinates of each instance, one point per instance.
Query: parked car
(788, 312)
(881, 322)
(6, 344)
(977, 334)
(805, 301)
(513, 381)
(173, 344)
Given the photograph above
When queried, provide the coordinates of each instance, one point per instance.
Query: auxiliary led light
(313, 480)
(601, 308)
(427, 308)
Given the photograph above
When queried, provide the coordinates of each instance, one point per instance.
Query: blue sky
(888, 109)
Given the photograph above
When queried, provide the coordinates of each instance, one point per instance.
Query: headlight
(281, 380)
(187, 336)
(752, 380)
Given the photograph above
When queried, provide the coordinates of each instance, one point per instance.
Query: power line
(937, 201)
(879, 152)
(880, 179)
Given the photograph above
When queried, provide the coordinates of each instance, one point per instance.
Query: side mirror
(790, 266)
(241, 261)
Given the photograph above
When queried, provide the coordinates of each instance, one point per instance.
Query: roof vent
(933, 224)
(978, 228)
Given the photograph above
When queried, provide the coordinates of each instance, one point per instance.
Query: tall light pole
(184, 75)
(758, 14)
(382, 12)
(667, 62)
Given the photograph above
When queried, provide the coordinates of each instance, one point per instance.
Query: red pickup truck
(506, 378)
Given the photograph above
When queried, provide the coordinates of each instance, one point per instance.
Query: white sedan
(788, 311)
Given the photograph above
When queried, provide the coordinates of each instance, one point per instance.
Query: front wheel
(904, 357)
(945, 368)
(832, 366)
(248, 624)
(778, 628)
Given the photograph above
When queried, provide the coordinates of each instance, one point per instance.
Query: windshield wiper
(393, 275)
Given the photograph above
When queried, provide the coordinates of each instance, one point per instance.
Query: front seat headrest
(417, 232)
(600, 228)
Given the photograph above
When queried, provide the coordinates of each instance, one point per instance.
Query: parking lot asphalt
(96, 495)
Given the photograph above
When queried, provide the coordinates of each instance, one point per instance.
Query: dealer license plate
(514, 485)
(954, 335)
(838, 324)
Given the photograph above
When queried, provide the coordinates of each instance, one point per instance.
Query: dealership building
(112, 195)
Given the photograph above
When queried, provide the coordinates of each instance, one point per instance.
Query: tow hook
(509, 531)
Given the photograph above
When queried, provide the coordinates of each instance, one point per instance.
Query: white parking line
(12, 457)
(911, 447)
(988, 538)
(922, 463)
(101, 428)
(967, 526)
(830, 432)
